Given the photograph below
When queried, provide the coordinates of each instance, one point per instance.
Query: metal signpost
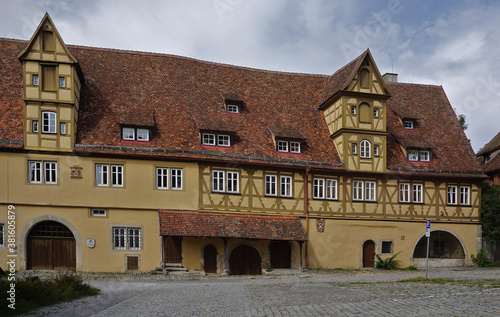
(428, 235)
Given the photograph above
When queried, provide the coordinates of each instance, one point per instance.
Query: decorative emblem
(320, 224)
(76, 172)
(91, 243)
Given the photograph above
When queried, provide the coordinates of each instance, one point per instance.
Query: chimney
(390, 77)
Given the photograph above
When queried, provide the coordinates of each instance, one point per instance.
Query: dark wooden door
(245, 260)
(210, 259)
(281, 254)
(368, 254)
(173, 250)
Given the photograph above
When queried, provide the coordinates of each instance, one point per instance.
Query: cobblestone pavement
(310, 293)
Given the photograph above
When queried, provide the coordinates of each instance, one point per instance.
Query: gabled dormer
(354, 107)
(51, 90)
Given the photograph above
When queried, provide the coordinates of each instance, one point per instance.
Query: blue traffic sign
(428, 226)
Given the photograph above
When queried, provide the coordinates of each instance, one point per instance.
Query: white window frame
(116, 175)
(286, 186)
(218, 181)
(50, 172)
(376, 149)
(119, 238)
(62, 82)
(465, 195)
(404, 192)
(375, 112)
(271, 188)
(128, 133)
(127, 237)
(417, 193)
(353, 110)
(62, 128)
(412, 155)
(233, 184)
(35, 172)
(34, 126)
(424, 156)
(36, 80)
(232, 108)
(370, 191)
(208, 139)
(407, 124)
(176, 179)
(358, 190)
(49, 120)
(318, 188)
(365, 149)
(295, 147)
(223, 140)
(354, 149)
(134, 238)
(143, 135)
(162, 178)
(282, 146)
(102, 174)
(97, 212)
(452, 195)
(331, 189)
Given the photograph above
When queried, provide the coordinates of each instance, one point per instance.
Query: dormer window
(215, 139)
(416, 155)
(135, 134)
(232, 108)
(413, 155)
(408, 124)
(295, 147)
(288, 146)
(282, 146)
(425, 156)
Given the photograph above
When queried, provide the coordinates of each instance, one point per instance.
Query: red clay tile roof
(131, 118)
(208, 224)
(231, 96)
(491, 146)
(493, 165)
(287, 133)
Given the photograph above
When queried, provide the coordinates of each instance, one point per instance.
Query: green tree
(461, 119)
(490, 211)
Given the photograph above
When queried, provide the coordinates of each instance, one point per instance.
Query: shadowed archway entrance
(245, 260)
(281, 254)
(368, 253)
(210, 259)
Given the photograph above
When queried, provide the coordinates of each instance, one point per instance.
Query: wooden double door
(173, 249)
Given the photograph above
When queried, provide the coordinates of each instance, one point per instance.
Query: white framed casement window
(417, 193)
(370, 191)
(119, 239)
(218, 181)
(425, 156)
(376, 148)
(375, 113)
(408, 124)
(354, 149)
(232, 108)
(134, 238)
(365, 149)
(35, 172)
(223, 140)
(128, 133)
(101, 174)
(286, 186)
(49, 122)
(127, 238)
(331, 189)
(2, 235)
(412, 155)
(98, 212)
(208, 139)
(465, 195)
(357, 190)
(353, 110)
(233, 182)
(270, 184)
(319, 188)
(282, 146)
(142, 134)
(176, 178)
(50, 172)
(452, 195)
(295, 147)
(36, 80)
(34, 126)
(117, 175)
(62, 128)
(62, 82)
(162, 178)
(404, 193)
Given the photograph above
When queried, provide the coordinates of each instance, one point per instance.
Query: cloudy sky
(453, 43)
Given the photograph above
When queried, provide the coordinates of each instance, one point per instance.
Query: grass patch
(33, 294)
(488, 283)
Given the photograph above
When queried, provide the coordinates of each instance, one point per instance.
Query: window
(49, 78)
(413, 155)
(161, 178)
(331, 189)
(282, 146)
(354, 149)
(417, 193)
(295, 147)
(208, 139)
(286, 186)
(439, 248)
(36, 80)
(464, 195)
(62, 82)
(232, 182)
(404, 193)
(128, 134)
(142, 135)
(386, 246)
(319, 188)
(270, 185)
(223, 140)
(408, 124)
(62, 128)
(452, 195)
(357, 193)
(353, 110)
(376, 150)
(364, 149)
(34, 128)
(218, 181)
(49, 172)
(369, 192)
(48, 122)
(98, 212)
(126, 238)
(375, 113)
(211, 139)
(2, 235)
(135, 134)
(232, 108)
(103, 175)
(425, 156)
(176, 178)
(320, 191)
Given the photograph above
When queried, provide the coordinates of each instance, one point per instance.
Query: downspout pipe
(306, 208)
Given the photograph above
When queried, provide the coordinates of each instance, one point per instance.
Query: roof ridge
(413, 84)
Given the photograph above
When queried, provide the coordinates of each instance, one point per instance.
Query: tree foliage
(461, 119)
(490, 211)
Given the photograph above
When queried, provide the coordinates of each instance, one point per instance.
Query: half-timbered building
(120, 160)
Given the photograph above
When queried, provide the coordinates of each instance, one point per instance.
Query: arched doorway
(281, 254)
(368, 253)
(210, 259)
(442, 245)
(51, 246)
(245, 260)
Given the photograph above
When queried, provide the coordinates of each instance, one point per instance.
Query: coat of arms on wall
(76, 172)
(320, 224)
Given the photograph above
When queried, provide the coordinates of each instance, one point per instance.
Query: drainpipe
(306, 207)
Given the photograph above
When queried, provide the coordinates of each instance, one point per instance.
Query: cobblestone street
(310, 293)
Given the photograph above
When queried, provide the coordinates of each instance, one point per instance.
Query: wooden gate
(369, 254)
(51, 246)
(210, 259)
(245, 260)
(173, 250)
(281, 254)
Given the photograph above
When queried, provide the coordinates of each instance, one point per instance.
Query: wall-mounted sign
(91, 243)
(76, 172)
(320, 225)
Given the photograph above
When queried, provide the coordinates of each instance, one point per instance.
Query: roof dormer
(288, 139)
(233, 103)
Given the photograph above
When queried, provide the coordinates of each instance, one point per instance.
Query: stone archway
(245, 260)
(445, 250)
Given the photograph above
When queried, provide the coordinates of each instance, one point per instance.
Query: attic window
(48, 41)
(416, 155)
(135, 134)
(215, 139)
(232, 108)
(407, 124)
(288, 146)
